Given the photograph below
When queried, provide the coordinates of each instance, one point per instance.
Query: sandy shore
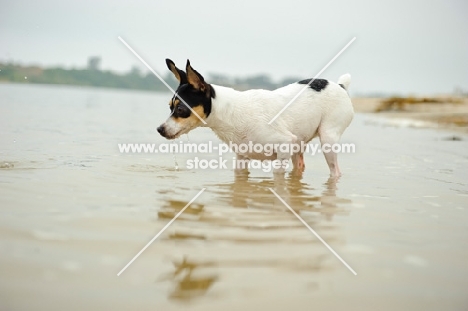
(446, 113)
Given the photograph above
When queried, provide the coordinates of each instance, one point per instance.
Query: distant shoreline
(91, 87)
(132, 80)
(81, 77)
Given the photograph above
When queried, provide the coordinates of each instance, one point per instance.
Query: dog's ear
(179, 74)
(195, 79)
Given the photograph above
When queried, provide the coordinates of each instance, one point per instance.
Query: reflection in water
(258, 218)
(189, 286)
(254, 193)
(172, 207)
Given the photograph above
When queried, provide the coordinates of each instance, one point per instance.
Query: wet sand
(439, 112)
(74, 212)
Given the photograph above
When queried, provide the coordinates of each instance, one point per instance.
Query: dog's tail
(344, 81)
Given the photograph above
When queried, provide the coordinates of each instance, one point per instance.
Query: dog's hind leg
(330, 130)
(328, 140)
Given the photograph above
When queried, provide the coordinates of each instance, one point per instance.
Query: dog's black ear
(179, 74)
(195, 79)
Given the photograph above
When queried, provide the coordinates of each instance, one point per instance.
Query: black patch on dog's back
(316, 85)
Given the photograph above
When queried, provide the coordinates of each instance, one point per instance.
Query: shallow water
(74, 211)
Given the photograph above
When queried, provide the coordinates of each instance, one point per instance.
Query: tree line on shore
(134, 79)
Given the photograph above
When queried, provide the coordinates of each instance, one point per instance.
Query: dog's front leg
(241, 165)
(283, 159)
(298, 163)
(283, 155)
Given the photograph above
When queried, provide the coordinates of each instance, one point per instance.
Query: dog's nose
(161, 131)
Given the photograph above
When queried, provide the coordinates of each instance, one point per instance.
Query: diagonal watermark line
(312, 230)
(160, 232)
(312, 80)
(159, 77)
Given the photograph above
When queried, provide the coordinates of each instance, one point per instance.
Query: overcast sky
(401, 46)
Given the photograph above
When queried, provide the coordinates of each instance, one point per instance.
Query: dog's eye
(182, 111)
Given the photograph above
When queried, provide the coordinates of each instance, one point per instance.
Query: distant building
(135, 71)
(94, 62)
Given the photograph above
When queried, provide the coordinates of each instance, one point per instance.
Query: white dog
(324, 109)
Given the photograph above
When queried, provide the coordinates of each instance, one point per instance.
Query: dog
(324, 109)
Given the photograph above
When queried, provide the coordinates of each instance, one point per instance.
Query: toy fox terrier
(324, 109)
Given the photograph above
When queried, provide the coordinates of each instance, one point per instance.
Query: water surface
(74, 211)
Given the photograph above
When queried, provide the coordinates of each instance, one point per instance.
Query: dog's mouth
(171, 137)
(176, 135)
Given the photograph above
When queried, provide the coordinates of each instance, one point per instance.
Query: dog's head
(190, 104)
